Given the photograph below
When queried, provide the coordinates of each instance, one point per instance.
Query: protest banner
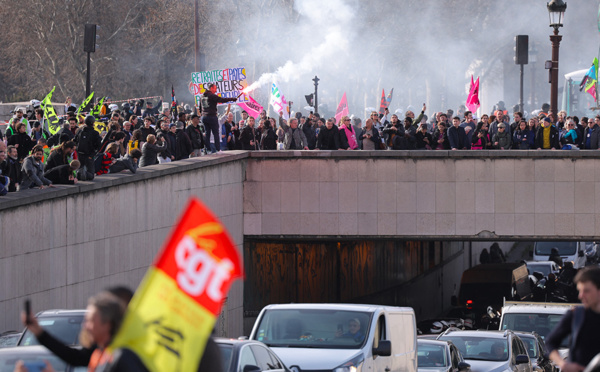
(252, 107)
(84, 103)
(173, 312)
(342, 109)
(49, 113)
(278, 102)
(96, 111)
(230, 83)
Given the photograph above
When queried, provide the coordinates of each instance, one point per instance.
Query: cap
(172, 125)
(547, 120)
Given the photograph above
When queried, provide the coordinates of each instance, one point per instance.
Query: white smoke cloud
(333, 20)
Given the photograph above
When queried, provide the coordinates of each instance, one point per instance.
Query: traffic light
(89, 38)
(522, 49)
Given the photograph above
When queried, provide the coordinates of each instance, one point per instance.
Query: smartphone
(35, 365)
(27, 310)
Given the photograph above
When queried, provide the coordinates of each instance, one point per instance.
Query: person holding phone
(354, 331)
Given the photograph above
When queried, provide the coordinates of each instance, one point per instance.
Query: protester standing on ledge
(209, 113)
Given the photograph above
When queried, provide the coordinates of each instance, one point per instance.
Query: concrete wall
(464, 195)
(58, 247)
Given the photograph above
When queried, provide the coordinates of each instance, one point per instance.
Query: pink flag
(252, 107)
(342, 109)
(473, 98)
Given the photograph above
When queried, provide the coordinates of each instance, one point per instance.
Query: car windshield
(564, 248)
(530, 345)
(226, 350)
(542, 268)
(542, 324)
(432, 355)
(7, 362)
(314, 328)
(480, 347)
(64, 328)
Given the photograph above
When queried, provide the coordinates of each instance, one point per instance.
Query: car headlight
(353, 365)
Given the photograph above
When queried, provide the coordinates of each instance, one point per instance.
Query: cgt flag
(173, 312)
(342, 109)
(278, 102)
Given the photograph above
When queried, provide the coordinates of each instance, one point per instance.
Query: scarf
(351, 136)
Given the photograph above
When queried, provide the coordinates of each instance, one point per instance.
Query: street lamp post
(316, 80)
(556, 9)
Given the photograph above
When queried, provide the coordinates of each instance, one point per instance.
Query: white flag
(278, 102)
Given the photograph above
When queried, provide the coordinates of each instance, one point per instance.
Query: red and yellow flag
(173, 311)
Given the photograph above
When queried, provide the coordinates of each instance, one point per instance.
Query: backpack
(84, 142)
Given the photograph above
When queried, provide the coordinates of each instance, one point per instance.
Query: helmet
(113, 107)
(125, 106)
(436, 327)
(90, 120)
(35, 103)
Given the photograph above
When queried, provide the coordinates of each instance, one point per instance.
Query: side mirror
(384, 349)
(522, 359)
(464, 366)
(454, 301)
(251, 368)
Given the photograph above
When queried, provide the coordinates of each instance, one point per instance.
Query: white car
(535, 317)
(440, 356)
(490, 351)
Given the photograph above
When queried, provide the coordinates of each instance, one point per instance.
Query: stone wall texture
(60, 246)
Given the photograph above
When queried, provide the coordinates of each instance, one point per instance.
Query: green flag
(98, 107)
(85, 103)
(50, 114)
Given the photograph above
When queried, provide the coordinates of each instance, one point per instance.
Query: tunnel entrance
(385, 272)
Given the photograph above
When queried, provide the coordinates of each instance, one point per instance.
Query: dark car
(65, 325)
(33, 355)
(248, 356)
(538, 354)
(440, 356)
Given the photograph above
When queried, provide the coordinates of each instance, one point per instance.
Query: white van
(340, 337)
(569, 251)
(540, 317)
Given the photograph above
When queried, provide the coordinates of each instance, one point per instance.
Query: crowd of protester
(137, 135)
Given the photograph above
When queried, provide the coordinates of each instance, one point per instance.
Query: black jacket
(59, 175)
(539, 138)
(458, 138)
(329, 139)
(268, 140)
(420, 140)
(248, 134)
(196, 136)
(311, 138)
(25, 144)
(56, 158)
(12, 169)
(183, 146)
(146, 132)
(376, 139)
(436, 137)
(212, 100)
(394, 138)
(88, 141)
(594, 138)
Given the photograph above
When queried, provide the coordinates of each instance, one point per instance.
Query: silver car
(490, 351)
(440, 356)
